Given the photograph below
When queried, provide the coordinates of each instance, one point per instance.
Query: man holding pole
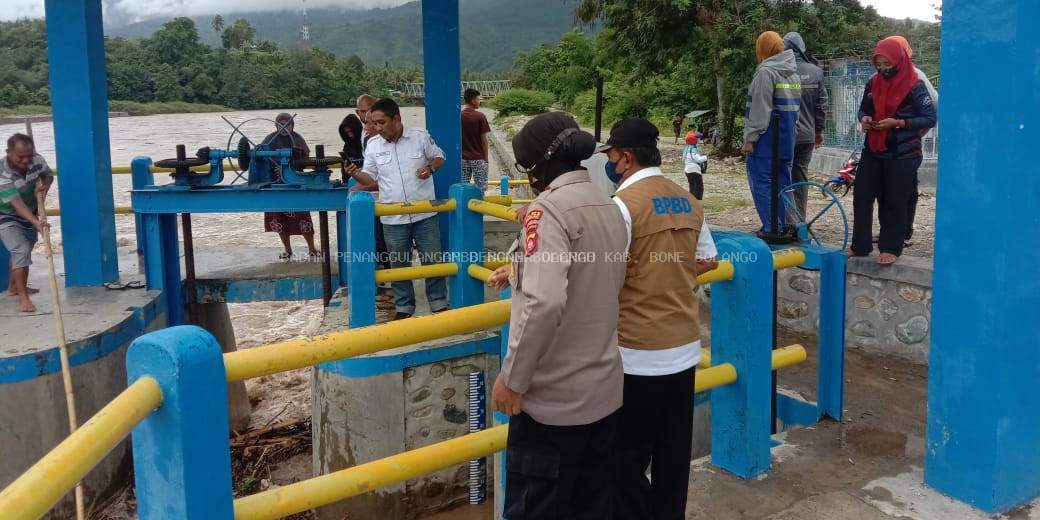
(23, 174)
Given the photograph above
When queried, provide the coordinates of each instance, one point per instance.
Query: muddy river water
(156, 137)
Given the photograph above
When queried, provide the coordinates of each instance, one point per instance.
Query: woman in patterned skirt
(288, 224)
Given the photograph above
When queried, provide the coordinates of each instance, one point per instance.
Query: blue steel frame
(156, 209)
(79, 99)
(442, 70)
(983, 420)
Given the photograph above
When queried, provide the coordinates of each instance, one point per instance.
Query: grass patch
(131, 107)
(720, 204)
(171, 107)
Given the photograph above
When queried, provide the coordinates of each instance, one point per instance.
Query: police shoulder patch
(531, 231)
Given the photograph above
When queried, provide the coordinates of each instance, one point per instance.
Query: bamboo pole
(66, 369)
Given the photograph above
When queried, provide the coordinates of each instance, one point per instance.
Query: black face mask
(889, 73)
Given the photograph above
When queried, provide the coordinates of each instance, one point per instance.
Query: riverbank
(116, 109)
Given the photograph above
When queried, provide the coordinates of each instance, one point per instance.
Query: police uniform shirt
(393, 166)
(671, 360)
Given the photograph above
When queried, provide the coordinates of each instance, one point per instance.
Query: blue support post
(831, 370)
(983, 420)
(141, 177)
(503, 185)
(466, 246)
(741, 334)
(182, 460)
(361, 247)
(442, 72)
(79, 101)
(343, 256)
(162, 262)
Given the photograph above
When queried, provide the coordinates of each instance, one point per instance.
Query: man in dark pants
(658, 334)
(561, 378)
(812, 118)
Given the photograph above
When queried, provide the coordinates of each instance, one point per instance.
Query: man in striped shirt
(23, 174)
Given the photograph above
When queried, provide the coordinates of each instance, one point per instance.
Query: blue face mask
(612, 173)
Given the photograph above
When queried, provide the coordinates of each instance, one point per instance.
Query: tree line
(173, 65)
(662, 58)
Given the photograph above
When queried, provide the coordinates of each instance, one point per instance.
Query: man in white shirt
(400, 163)
(669, 245)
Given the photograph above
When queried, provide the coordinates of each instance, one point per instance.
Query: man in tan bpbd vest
(658, 330)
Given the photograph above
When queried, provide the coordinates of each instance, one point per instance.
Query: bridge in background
(488, 89)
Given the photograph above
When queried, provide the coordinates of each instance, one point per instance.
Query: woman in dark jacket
(895, 109)
(350, 130)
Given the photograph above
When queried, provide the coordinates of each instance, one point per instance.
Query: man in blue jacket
(775, 89)
(812, 116)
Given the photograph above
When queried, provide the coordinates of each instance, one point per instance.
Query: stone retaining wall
(888, 309)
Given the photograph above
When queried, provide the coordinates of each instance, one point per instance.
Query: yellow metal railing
(479, 272)
(494, 210)
(786, 258)
(400, 274)
(512, 182)
(127, 170)
(42, 485)
(360, 479)
(120, 210)
(301, 353)
(419, 206)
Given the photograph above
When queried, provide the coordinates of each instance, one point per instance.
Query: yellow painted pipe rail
(714, 377)
(722, 273)
(479, 272)
(786, 258)
(120, 210)
(360, 479)
(494, 210)
(724, 374)
(503, 200)
(126, 170)
(495, 264)
(512, 182)
(522, 201)
(400, 274)
(419, 206)
(300, 353)
(326, 489)
(782, 358)
(42, 485)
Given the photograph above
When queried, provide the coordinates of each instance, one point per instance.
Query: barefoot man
(23, 174)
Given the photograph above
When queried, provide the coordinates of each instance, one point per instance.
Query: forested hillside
(492, 31)
(174, 65)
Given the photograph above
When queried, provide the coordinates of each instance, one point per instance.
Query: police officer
(658, 331)
(561, 379)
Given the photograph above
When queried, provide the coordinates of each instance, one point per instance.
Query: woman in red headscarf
(895, 109)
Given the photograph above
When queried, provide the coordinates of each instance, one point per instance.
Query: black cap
(631, 133)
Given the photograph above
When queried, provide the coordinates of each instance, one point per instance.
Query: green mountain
(492, 32)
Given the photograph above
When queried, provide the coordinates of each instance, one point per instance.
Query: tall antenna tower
(305, 31)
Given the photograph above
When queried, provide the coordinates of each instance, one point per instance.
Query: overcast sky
(130, 9)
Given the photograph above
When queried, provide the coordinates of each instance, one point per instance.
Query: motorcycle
(846, 176)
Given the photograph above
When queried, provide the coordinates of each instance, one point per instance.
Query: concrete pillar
(442, 73)
(380, 405)
(79, 100)
(214, 317)
(983, 420)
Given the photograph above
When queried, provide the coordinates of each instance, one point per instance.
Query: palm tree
(217, 24)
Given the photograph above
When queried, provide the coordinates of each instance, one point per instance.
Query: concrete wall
(888, 309)
(360, 418)
(33, 417)
(828, 161)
